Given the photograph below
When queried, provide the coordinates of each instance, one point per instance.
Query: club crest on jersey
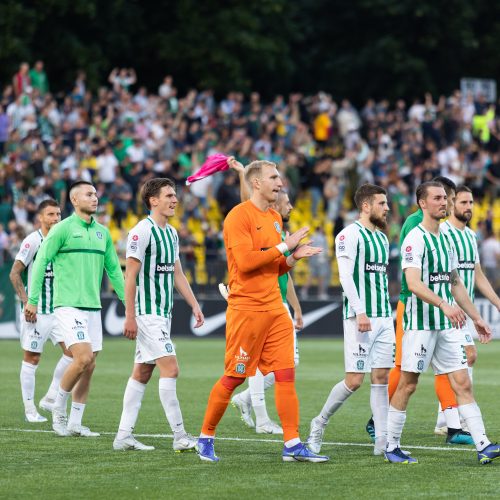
(240, 368)
(277, 227)
(98, 234)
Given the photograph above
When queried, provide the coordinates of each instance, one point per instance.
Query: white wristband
(282, 247)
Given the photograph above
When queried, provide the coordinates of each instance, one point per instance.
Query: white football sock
(470, 369)
(61, 401)
(76, 413)
(335, 400)
(168, 398)
(132, 400)
(441, 421)
(27, 378)
(452, 417)
(256, 387)
(269, 380)
(59, 370)
(292, 442)
(474, 420)
(395, 422)
(379, 402)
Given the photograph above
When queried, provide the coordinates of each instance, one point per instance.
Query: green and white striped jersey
(157, 249)
(27, 255)
(369, 252)
(465, 243)
(436, 258)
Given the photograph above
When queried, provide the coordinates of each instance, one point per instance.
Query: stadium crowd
(125, 134)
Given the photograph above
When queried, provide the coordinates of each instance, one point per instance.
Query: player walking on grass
(259, 330)
(469, 269)
(253, 398)
(34, 335)
(449, 418)
(362, 251)
(431, 322)
(80, 249)
(153, 269)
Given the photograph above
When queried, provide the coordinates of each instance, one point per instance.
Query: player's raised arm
(240, 170)
(113, 268)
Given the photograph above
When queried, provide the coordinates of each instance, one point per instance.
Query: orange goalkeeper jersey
(254, 262)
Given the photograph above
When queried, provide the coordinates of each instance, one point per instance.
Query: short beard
(285, 218)
(378, 222)
(463, 218)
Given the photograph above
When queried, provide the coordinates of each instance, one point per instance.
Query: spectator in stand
(21, 81)
(319, 266)
(187, 245)
(120, 197)
(4, 129)
(107, 166)
(38, 78)
(490, 258)
(228, 195)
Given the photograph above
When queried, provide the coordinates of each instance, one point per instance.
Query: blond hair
(254, 170)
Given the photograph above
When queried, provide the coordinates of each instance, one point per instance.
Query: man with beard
(362, 251)
(434, 312)
(469, 269)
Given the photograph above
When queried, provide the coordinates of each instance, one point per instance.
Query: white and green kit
(157, 249)
(429, 336)
(34, 335)
(363, 258)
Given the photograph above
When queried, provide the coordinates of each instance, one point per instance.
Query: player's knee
(230, 383)
(286, 375)
(408, 387)
(353, 381)
(31, 357)
(84, 361)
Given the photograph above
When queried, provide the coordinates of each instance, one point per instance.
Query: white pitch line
(257, 440)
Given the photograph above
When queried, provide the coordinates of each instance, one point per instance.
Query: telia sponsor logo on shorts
(374, 267)
(438, 278)
(165, 268)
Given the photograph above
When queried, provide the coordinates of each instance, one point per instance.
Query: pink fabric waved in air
(214, 163)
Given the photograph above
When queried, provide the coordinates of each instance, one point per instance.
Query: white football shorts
(153, 338)
(443, 349)
(34, 335)
(373, 349)
(79, 326)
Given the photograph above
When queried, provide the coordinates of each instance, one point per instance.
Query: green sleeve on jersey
(46, 253)
(113, 268)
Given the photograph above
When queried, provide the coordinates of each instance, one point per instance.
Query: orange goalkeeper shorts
(262, 339)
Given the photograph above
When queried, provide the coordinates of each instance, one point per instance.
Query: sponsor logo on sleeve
(277, 227)
(341, 245)
(408, 254)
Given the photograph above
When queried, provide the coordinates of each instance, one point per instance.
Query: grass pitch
(34, 463)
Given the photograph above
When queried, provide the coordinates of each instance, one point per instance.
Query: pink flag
(214, 163)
